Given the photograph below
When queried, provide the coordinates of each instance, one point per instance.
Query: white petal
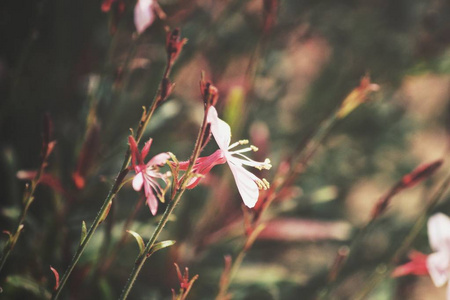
(439, 232)
(138, 181)
(220, 130)
(159, 159)
(152, 202)
(437, 265)
(246, 185)
(144, 15)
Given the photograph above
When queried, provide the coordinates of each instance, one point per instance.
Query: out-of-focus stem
(236, 264)
(28, 199)
(28, 195)
(173, 203)
(382, 271)
(299, 162)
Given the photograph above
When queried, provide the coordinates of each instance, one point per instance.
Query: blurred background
(282, 68)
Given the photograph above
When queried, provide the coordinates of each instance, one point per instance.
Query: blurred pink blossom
(436, 264)
(144, 14)
(147, 175)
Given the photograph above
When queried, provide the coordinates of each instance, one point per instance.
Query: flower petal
(152, 202)
(438, 264)
(246, 185)
(144, 15)
(417, 265)
(135, 156)
(439, 232)
(159, 159)
(138, 181)
(220, 130)
(146, 148)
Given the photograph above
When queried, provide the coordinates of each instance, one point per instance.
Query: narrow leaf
(83, 232)
(160, 246)
(139, 240)
(106, 212)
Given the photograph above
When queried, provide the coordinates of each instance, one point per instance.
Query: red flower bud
(174, 44)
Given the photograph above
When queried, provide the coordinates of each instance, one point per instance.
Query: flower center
(245, 159)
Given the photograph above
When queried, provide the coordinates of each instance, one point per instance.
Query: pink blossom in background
(144, 14)
(147, 175)
(437, 264)
(416, 266)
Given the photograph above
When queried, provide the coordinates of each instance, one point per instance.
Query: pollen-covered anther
(243, 142)
(265, 165)
(254, 148)
(263, 184)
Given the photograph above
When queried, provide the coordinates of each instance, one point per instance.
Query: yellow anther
(254, 148)
(267, 164)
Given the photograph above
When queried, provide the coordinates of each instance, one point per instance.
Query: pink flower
(147, 175)
(202, 166)
(436, 264)
(248, 184)
(416, 266)
(144, 14)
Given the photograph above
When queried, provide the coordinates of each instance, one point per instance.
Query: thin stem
(142, 257)
(105, 265)
(300, 161)
(15, 236)
(115, 188)
(381, 271)
(28, 198)
(173, 203)
(237, 262)
(98, 219)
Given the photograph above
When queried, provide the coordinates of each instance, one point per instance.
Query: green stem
(143, 257)
(173, 203)
(28, 198)
(237, 262)
(115, 188)
(98, 219)
(104, 266)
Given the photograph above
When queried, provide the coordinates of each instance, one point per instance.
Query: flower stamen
(263, 184)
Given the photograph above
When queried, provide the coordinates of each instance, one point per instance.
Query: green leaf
(106, 212)
(161, 245)
(83, 232)
(30, 285)
(139, 240)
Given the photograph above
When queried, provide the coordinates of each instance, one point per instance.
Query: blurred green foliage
(58, 56)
